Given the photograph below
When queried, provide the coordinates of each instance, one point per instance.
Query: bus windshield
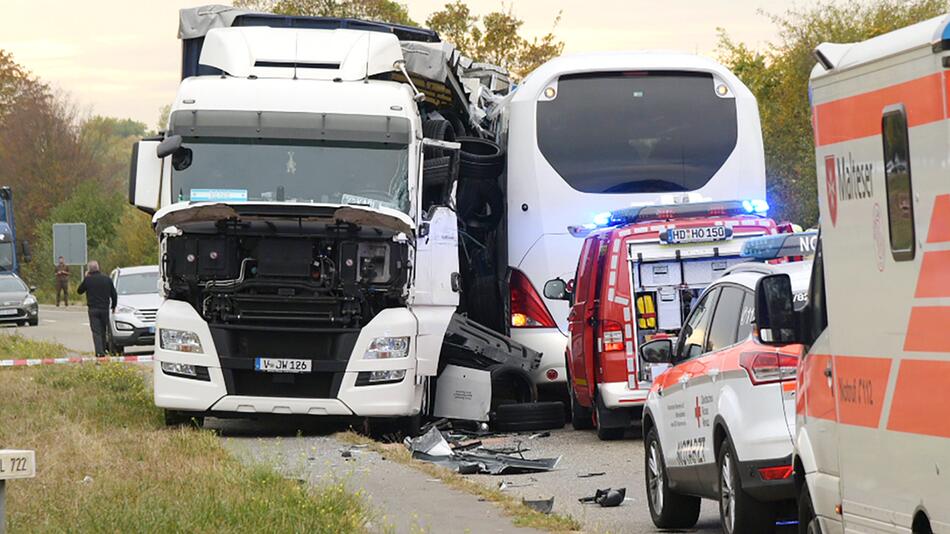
(637, 132)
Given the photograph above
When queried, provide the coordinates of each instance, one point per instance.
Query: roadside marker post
(14, 464)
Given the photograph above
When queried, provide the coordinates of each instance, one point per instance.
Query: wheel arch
(648, 422)
(921, 524)
(720, 434)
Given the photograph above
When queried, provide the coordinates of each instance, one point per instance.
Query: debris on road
(469, 459)
(544, 506)
(606, 498)
(591, 475)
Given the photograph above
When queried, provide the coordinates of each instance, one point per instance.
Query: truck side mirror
(168, 146)
(145, 175)
(776, 322)
(25, 252)
(657, 351)
(556, 290)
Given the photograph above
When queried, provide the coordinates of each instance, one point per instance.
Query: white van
(596, 132)
(872, 446)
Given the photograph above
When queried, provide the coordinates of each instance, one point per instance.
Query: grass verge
(105, 463)
(521, 515)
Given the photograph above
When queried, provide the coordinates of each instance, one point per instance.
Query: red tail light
(776, 473)
(527, 308)
(612, 336)
(768, 367)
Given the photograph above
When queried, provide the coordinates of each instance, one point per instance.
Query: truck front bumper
(228, 384)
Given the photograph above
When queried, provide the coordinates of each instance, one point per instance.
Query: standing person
(62, 281)
(101, 298)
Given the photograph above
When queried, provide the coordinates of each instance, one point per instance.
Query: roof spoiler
(830, 54)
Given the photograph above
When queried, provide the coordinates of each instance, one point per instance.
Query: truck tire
(738, 511)
(668, 509)
(481, 204)
(177, 418)
(480, 158)
(529, 416)
(438, 129)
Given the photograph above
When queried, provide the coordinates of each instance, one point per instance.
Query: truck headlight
(383, 348)
(387, 376)
(179, 369)
(179, 340)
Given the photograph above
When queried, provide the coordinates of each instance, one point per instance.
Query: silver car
(17, 303)
(133, 322)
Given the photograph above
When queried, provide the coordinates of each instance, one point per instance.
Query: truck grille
(250, 383)
(146, 316)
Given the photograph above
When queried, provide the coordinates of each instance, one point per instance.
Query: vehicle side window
(725, 322)
(900, 198)
(816, 315)
(746, 317)
(692, 338)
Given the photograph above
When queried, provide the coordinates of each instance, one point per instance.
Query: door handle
(683, 379)
(713, 373)
(828, 374)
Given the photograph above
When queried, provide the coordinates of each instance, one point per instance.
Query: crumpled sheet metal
(433, 448)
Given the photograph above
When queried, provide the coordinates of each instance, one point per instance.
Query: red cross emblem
(699, 414)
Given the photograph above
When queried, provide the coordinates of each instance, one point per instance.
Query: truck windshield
(6, 256)
(637, 132)
(241, 169)
(137, 284)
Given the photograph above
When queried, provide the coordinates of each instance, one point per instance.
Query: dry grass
(520, 514)
(107, 464)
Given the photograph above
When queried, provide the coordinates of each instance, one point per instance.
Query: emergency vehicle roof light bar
(779, 246)
(669, 212)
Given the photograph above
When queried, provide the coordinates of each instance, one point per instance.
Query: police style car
(719, 423)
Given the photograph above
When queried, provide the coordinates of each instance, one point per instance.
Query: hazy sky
(122, 57)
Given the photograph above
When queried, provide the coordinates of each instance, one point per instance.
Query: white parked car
(133, 322)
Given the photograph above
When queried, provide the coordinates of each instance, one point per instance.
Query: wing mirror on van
(776, 321)
(557, 290)
(657, 351)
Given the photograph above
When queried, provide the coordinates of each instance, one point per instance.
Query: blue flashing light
(781, 246)
(755, 206)
(602, 219)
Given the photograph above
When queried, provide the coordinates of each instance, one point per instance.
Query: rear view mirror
(145, 175)
(556, 290)
(168, 146)
(776, 321)
(657, 351)
(32, 289)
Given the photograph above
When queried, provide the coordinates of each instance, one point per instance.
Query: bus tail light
(527, 308)
(768, 367)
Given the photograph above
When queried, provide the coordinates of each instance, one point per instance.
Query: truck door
(581, 318)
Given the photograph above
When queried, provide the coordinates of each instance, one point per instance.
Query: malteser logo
(846, 180)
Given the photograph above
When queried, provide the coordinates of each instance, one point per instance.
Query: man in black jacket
(100, 298)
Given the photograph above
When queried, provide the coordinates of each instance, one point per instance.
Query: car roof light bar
(781, 246)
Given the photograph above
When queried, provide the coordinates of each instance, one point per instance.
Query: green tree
(495, 38)
(379, 10)
(778, 76)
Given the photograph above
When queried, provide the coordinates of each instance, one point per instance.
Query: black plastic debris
(591, 475)
(606, 498)
(543, 506)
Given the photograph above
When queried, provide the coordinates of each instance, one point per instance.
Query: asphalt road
(68, 326)
(313, 456)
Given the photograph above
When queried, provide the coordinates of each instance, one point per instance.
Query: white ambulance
(873, 408)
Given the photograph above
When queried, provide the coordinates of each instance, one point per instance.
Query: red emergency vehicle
(639, 273)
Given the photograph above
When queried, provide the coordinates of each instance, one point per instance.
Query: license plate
(282, 365)
(701, 234)
(8, 312)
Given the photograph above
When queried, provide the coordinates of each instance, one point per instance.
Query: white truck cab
(304, 271)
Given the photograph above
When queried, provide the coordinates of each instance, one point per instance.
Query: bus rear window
(644, 132)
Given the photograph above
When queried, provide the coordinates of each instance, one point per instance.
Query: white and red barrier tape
(51, 361)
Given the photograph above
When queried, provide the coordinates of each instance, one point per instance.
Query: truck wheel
(581, 416)
(668, 509)
(606, 433)
(807, 522)
(177, 418)
(738, 512)
(480, 158)
(528, 416)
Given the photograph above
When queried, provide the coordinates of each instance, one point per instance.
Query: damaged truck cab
(302, 272)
